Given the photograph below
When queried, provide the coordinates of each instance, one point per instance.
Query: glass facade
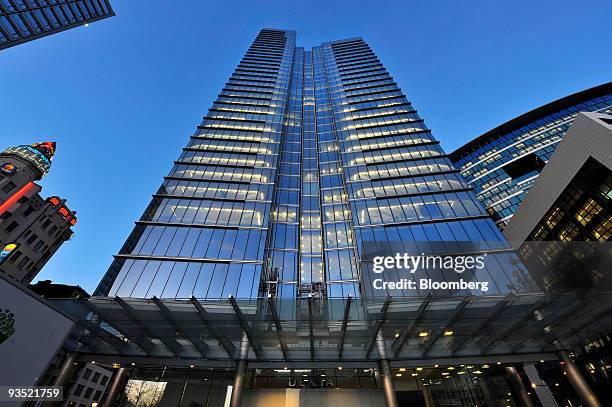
(503, 164)
(26, 20)
(305, 156)
(459, 385)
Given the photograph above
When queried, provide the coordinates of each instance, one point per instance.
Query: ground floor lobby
(494, 384)
(461, 385)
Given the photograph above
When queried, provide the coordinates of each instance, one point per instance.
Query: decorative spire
(46, 148)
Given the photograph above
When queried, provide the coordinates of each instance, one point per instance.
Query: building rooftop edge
(276, 29)
(531, 116)
(323, 43)
(343, 40)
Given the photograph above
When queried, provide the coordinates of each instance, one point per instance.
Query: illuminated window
(603, 231)
(606, 188)
(568, 233)
(555, 216)
(587, 211)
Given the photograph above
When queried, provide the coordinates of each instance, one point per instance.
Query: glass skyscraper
(26, 20)
(253, 259)
(305, 158)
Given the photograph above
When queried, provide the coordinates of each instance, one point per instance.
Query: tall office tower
(31, 228)
(304, 159)
(22, 21)
(503, 164)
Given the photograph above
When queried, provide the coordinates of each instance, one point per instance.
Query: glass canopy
(309, 329)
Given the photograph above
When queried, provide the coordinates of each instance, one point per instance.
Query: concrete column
(387, 378)
(240, 375)
(68, 369)
(238, 387)
(582, 388)
(385, 370)
(118, 384)
(520, 392)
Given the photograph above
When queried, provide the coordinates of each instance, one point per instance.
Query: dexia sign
(311, 382)
(7, 325)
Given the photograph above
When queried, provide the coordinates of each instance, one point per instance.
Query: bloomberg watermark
(418, 268)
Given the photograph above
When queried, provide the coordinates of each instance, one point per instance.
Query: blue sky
(122, 96)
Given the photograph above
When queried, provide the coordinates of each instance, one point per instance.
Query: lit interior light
(403, 369)
(423, 334)
(448, 333)
(398, 374)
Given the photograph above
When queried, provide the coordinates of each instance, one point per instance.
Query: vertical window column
(311, 245)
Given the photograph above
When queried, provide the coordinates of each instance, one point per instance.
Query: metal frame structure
(210, 332)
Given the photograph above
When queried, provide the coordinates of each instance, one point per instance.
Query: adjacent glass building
(305, 157)
(502, 164)
(25, 20)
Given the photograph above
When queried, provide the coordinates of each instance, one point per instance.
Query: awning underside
(310, 329)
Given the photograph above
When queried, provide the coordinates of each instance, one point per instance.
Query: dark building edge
(58, 30)
(530, 117)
